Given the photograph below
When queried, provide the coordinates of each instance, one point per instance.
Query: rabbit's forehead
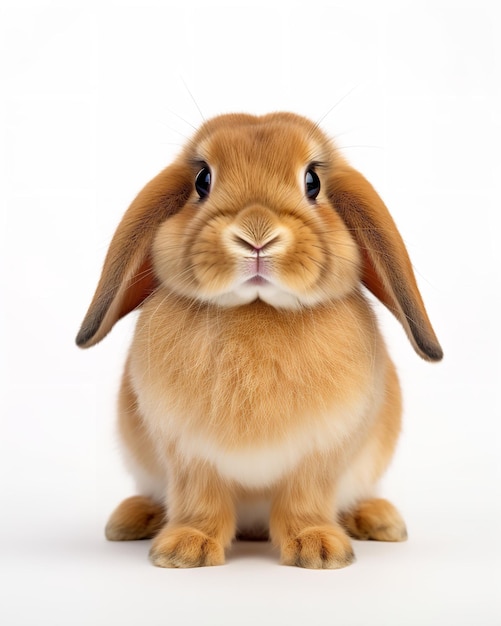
(276, 148)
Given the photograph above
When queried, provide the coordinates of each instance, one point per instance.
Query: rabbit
(258, 398)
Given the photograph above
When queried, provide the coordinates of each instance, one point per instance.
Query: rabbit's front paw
(318, 547)
(185, 547)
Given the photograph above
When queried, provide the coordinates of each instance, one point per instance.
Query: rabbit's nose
(257, 231)
(255, 247)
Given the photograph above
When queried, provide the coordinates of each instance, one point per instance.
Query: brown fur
(137, 517)
(375, 519)
(288, 396)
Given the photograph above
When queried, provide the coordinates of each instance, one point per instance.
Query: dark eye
(312, 184)
(202, 182)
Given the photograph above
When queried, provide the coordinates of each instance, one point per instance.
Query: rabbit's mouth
(257, 281)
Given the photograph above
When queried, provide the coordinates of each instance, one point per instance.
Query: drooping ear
(127, 277)
(387, 270)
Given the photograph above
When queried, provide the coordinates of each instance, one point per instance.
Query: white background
(94, 102)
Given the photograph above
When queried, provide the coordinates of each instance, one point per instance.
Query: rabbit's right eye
(202, 182)
(312, 184)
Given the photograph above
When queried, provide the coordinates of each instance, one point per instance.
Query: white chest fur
(259, 464)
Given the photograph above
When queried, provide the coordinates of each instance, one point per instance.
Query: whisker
(192, 97)
(182, 119)
(319, 121)
(360, 146)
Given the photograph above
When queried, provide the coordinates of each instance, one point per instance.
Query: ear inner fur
(387, 270)
(127, 277)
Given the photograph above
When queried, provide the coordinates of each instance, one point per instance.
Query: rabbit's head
(259, 224)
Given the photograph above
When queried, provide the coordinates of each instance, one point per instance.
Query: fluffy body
(264, 403)
(258, 396)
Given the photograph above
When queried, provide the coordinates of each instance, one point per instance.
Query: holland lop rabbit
(258, 398)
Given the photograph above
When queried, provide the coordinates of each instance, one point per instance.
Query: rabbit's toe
(185, 547)
(318, 547)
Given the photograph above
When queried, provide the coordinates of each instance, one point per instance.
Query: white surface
(89, 108)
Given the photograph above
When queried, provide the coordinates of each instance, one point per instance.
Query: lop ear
(387, 270)
(127, 277)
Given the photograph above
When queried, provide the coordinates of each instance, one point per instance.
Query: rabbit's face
(258, 224)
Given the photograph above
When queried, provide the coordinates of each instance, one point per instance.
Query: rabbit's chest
(252, 396)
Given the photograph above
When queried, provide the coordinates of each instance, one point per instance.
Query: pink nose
(252, 246)
(248, 245)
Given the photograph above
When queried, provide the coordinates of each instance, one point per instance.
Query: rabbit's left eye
(203, 182)
(311, 184)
